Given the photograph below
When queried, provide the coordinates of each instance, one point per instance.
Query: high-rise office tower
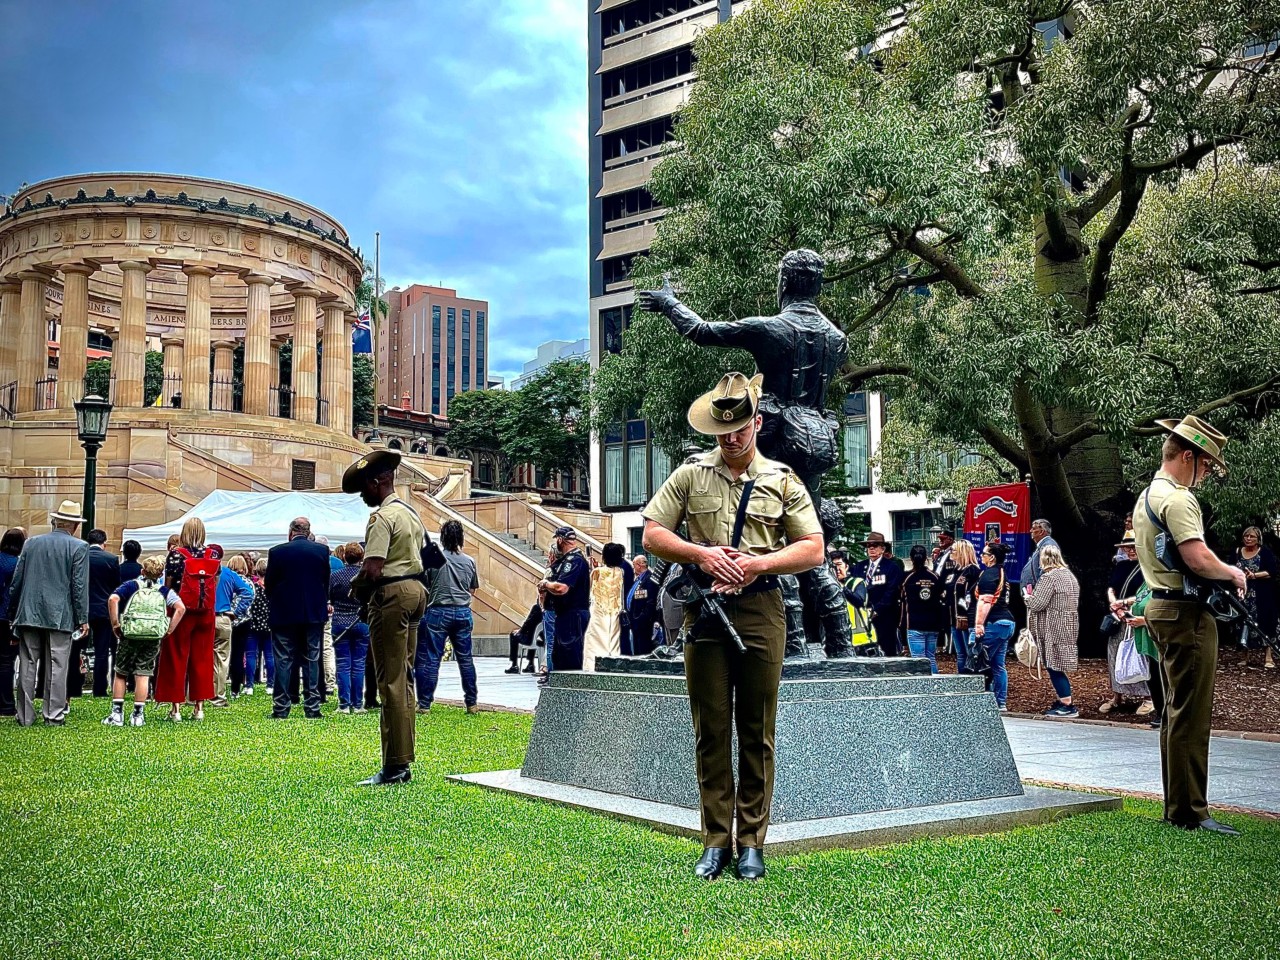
(435, 344)
(641, 68)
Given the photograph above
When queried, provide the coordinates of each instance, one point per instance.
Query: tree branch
(951, 271)
(1132, 187)
(1063, 442)
(1143, 430)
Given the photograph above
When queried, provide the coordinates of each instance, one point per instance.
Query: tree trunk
(1081, 493)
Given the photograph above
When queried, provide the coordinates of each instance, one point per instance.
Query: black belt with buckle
(1171, 595)
(761, 585)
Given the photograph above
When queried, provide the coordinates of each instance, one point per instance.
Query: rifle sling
(740, 519)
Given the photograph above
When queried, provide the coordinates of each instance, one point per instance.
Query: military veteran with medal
(1177, 615)
(749, 519)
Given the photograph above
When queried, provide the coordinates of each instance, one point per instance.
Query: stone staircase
(523, 546)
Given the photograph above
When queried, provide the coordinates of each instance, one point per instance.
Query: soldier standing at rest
(1179, 620)
(750, 520)
(390, 584)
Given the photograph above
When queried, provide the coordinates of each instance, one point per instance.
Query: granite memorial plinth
(812, 669)
(859, 759)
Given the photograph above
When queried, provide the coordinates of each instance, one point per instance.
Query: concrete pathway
(1242, 773)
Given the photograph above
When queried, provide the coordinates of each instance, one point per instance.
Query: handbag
(1111, 624)
(1027, 651)
(1131, 666)
(978, 659)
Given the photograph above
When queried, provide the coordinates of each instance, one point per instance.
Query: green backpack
(147, 615)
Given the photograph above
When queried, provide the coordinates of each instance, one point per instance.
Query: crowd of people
(196, 627)
(586, 609)
(952, 596)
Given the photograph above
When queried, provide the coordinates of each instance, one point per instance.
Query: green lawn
(243, 837)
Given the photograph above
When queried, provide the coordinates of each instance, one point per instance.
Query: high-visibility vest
(860, 620)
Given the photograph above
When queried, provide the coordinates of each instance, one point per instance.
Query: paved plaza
(1242, 773)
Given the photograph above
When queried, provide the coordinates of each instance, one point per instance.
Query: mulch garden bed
(1246, 697)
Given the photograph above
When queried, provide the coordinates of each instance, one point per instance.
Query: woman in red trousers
(185, 671)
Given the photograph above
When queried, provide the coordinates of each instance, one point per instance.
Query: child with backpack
(151, 612)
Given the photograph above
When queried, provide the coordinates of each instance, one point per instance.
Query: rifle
(1222, 601)
(694, 587)
(712, 619)
(1226, 606)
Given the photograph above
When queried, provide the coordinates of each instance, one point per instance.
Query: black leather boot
(712, 862)
(750, 863)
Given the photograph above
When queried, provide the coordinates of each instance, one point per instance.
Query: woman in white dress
(608, 588)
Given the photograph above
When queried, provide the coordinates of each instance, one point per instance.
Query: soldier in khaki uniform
(1181, 625)
(389, 583)
(781, 534)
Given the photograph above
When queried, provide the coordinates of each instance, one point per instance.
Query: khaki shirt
(703, 492)
(1178, 509)
(395, 534)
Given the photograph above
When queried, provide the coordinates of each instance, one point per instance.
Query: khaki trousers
(1187, 638)
(221, 654)
(728, 689)
(394, 614)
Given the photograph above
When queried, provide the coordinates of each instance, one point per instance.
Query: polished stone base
(1035, 805)
(844, 746)
(812, 669)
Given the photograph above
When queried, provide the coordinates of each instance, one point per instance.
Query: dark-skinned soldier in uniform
(390, 584)
(798, 352)
(1178, 616)
(735, 488)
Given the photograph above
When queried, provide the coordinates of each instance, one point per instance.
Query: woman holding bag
(1122, 590)
(1054, 609)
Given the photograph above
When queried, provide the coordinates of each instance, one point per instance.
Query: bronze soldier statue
(798, 351)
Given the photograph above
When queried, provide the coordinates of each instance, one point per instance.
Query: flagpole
(373, 322)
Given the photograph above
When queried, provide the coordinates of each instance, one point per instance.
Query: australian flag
(362, 335)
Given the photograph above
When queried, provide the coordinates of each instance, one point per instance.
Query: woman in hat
(1122, 591)
(1259, 566)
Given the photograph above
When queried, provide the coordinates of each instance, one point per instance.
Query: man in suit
(104, 577)
(883, 574)
(49, 599)
(642, 607)
(297, 584)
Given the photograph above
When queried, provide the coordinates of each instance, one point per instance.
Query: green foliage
(362, 376)
(542, 423)
(97, 377)
(1040, 323)
(285, 850)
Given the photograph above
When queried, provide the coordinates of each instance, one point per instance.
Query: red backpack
(199, 588)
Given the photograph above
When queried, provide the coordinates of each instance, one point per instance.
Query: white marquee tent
(259, 521)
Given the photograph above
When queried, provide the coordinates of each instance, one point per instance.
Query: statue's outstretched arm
(745, 333)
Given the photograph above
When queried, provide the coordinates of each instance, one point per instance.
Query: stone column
(273, 405)
(129, 355)
(73, 346)
(304, 352)
(335, 381)
(257, 346)
(223, 372)
(10, 326)
(33, 342)
(195, 351)
(172, 368)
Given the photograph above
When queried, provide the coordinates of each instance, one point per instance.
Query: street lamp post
(950, 510)
(92, 415)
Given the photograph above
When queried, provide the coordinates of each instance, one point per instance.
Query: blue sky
(456, 128)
